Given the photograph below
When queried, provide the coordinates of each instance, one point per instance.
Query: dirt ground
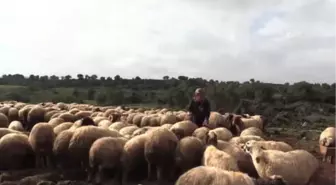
(324, 176)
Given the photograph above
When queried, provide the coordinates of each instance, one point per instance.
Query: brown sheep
(269, 145)
(219, 159)
(327, 137)
(83, 114)
(168, 119)
(61, 127)
(104, 123)
(201, 133)
(137, 119)
(61, 149)
(241, 140)
(222, 133)
(16, 152)
(145, 121)
(140, 131)
(161, 144)
(55, 122)
(244, 160)
(204, 175)
(296, 166)
(189, 152)
(68, 117)
(50, 114)
(133, 156)
(13, 114)
(82, 140)
(105, 154)
(128, 130)
(99, 119)
(35, 115)
(16, 125)
(4, 110)
(4, 122)
(252, 131)
(218, 120)
(23, 114)
(118, 125)
(42, 138)
(186, 127)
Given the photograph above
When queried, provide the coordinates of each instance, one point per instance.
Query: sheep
(214, 176)
(140, 131)
(4, 122)
(128, 130)
(42, 138)
(244, 160)
(269, 145)
(61, 127)
(133, 156)
(35, 115)
(5, 131)
(327, 137)
(23, 114)
(13, 114)
(252, 131)
(82, 139)
(55, 122)
(61, 149)
(167, 126)
(104, 123)
(67, 117)
(105, 154)
(168, 119)
(219, 159)
(16, 152)
(160, 145)
(51, 114)
(201, 133)
(137, 119)
(16, 125)
(218, 120)
(222, 134)
(118, 125)
(83, 114)
(183, 128)
(244, 123)
(189, 152)
(296, 166)
(241, 140)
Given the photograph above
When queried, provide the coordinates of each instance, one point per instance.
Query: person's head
(199, 94)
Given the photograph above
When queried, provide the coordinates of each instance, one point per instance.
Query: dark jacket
(199, 111)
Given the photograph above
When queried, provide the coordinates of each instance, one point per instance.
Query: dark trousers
(197, 121)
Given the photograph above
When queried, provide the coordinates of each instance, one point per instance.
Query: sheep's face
(248, 145)
(211, 138)
(329, 141)
(256, 153)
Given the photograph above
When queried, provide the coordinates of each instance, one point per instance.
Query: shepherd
(199, 108)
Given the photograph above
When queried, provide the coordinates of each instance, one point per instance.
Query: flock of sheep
(122, 144)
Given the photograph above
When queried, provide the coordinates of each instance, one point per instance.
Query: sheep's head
(211, 138)
(257, 154)
(87, 121)
(328, 142)
(273, 180)
(247, 146)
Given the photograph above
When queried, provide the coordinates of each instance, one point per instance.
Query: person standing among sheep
(199, 108)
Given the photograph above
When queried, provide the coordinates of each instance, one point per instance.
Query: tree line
(166, 92)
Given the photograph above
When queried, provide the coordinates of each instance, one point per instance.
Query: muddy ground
(306, 140)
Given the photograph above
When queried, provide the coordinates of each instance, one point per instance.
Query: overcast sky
(268, 40)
